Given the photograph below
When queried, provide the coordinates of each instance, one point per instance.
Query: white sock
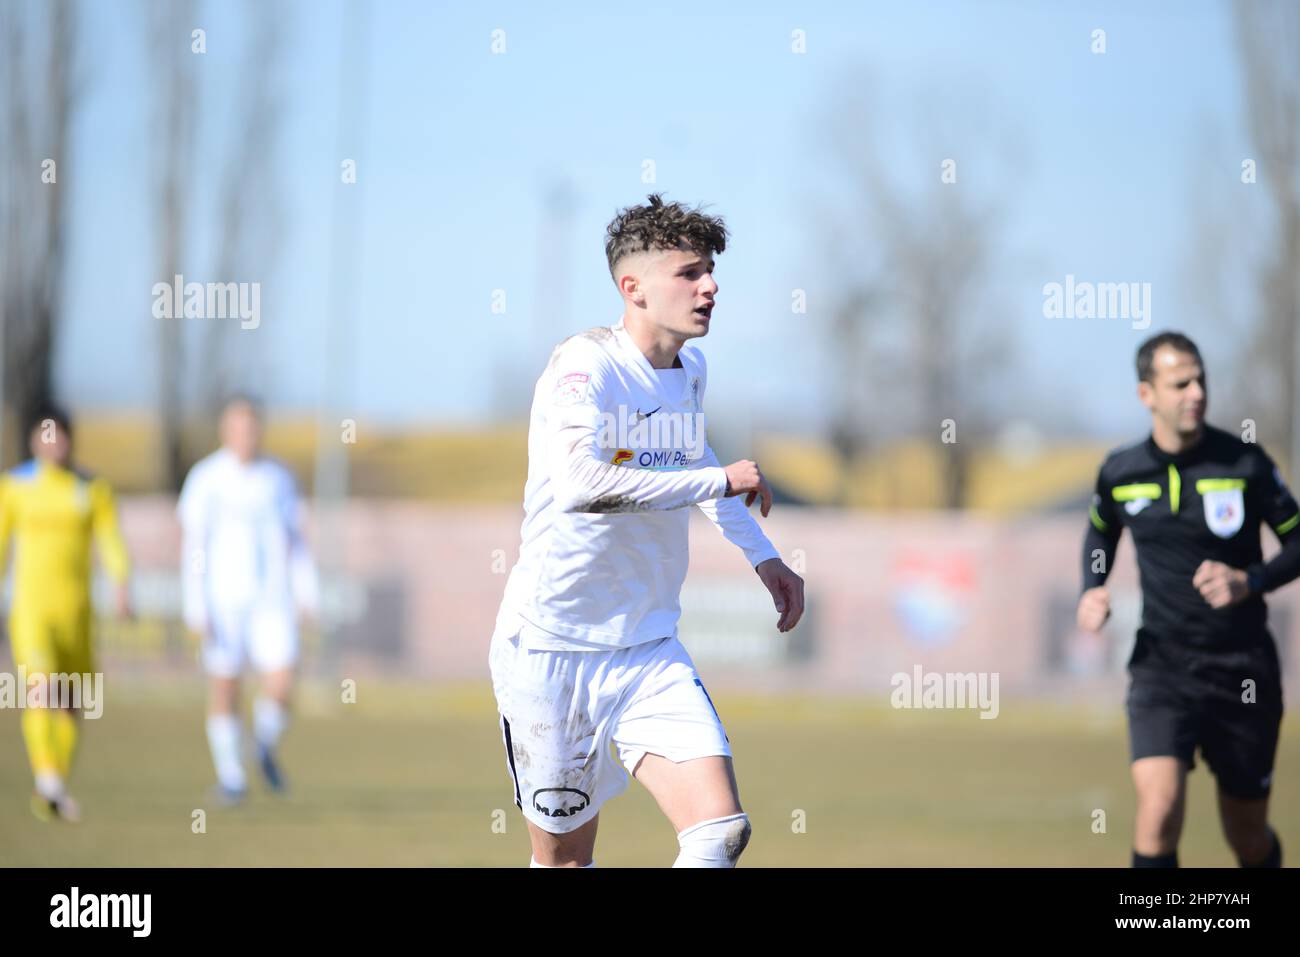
(223, 739)
(533, 863)
(49, 785)
(270, 718)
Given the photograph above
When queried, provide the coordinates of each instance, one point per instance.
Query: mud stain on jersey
(598, 334)
(613, 503)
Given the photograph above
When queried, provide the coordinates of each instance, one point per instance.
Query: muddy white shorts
(563, 712)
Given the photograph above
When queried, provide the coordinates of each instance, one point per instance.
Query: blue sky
(460, 147)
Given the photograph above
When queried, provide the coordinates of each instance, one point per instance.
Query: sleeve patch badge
(571, 389)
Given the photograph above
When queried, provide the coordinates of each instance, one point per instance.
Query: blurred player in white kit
(246, 573)
(585, 655)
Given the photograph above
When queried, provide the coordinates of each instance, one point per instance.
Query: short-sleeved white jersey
(617, 451)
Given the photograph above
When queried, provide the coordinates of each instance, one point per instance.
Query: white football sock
(223, 740)
(270, 718)
(49, 785)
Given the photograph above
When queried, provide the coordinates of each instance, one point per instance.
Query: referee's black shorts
(1200, 705)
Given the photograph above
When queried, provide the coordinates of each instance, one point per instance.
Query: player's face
(679, 292)
(241, 431)
(50, 443)
(1177, 394)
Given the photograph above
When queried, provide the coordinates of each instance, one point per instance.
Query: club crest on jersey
(571, 389)
(1225, 510)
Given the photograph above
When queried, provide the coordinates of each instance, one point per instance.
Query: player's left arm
(1282, 514)
(738, 526)
(108, 539)
(303, 578)
(1220, 584)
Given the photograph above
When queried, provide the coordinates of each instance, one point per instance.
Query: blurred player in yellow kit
(52, 511)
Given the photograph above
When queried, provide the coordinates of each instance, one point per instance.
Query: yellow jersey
(52, 514)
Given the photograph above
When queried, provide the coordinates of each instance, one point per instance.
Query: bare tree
(175, 89)
(912, 339)
(1268, 38)
(550, 317)
(248, 216)
(40, 98)
(248, 199)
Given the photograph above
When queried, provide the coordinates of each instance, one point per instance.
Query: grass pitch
(416, 776)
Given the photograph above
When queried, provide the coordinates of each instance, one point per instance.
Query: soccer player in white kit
(245, 572)
(585, 652)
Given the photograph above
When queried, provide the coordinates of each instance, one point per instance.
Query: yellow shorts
(52, 642)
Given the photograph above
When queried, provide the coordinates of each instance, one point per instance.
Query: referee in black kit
(1204, 670)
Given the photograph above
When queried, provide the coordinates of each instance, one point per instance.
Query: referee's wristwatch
(1255, 579)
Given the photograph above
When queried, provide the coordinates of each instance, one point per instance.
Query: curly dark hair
(660, 225)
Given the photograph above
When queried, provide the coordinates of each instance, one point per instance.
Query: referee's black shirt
(1206, 503)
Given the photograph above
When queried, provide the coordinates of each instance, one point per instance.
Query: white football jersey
(617, 451)
(242, 544)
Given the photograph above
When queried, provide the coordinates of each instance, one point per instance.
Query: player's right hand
(744, 476)
(197, 630)
(1094, 609)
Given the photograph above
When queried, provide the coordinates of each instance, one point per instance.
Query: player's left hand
(1220, 585)
(787, 591)
(122, 599)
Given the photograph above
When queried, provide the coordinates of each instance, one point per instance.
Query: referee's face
(1177, 394)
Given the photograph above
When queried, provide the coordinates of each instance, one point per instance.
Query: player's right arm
(6, 523)
(581, 471)
(1099, 545)
(192, 510)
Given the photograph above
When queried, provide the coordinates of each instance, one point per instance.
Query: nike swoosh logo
(646, 415)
